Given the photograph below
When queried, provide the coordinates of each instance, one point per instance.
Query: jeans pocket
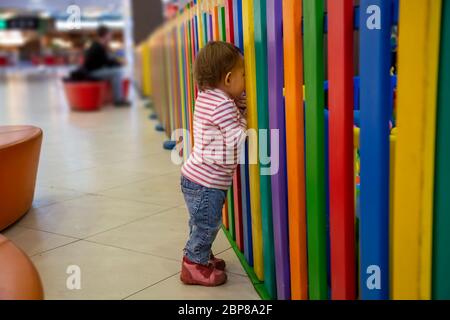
(193, 195)
(193, 201)
(190, 187)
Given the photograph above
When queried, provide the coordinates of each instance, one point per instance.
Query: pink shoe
(197, 274)
(217, 263)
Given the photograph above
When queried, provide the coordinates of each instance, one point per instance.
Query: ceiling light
(11, 38)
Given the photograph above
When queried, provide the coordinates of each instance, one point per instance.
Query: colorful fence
(359, 205)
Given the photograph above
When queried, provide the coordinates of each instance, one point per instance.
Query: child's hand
(241, 103)
(243, 112)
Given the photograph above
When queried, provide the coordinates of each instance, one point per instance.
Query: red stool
(85, 95)
(35, 60)
(4, 61)
(50, 61)
(126, 87)
(60, 61)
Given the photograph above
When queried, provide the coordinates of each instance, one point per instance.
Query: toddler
(219, 130)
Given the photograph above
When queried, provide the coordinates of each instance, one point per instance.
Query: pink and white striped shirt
(219, 131)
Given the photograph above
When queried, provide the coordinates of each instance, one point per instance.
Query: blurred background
(48, 34)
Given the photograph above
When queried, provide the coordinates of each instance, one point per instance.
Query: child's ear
(228, 79)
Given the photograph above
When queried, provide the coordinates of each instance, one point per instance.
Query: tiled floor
(107, 200)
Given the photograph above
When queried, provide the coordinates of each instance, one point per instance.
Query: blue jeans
(114, 76)
(205, 211)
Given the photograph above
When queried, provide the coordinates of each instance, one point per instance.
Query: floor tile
(87, 215)
(106, 272)
(33, 241)
(49, 168)
(232, 262)
(163, 235)
(45, 196)
(156, 164)
(162, 190)
(236, 288)
(95, 179)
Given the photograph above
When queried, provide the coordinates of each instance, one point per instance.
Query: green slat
(257, 284)
(230, 200)
(222, 24)
(205, 27)
(263, 123)
(441, 235)
(313, 12)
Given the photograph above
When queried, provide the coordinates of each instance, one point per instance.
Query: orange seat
(20, 148)
(19, 279)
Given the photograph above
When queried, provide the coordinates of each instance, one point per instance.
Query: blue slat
(245, 182)
(375, 88)
(246, 214)
(236, 23)
(196, 34)
(240, 37)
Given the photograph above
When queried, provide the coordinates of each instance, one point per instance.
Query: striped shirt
(219, 131)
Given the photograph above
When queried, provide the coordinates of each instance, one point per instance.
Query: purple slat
(277, 122)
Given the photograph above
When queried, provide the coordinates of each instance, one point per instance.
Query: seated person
(99, 64)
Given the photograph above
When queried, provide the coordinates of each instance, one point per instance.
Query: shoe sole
(194, 283)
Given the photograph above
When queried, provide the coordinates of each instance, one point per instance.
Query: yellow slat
(414, 167)
(250, 79)
(200, 24)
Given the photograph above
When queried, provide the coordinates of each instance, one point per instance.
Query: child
(219, 130)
